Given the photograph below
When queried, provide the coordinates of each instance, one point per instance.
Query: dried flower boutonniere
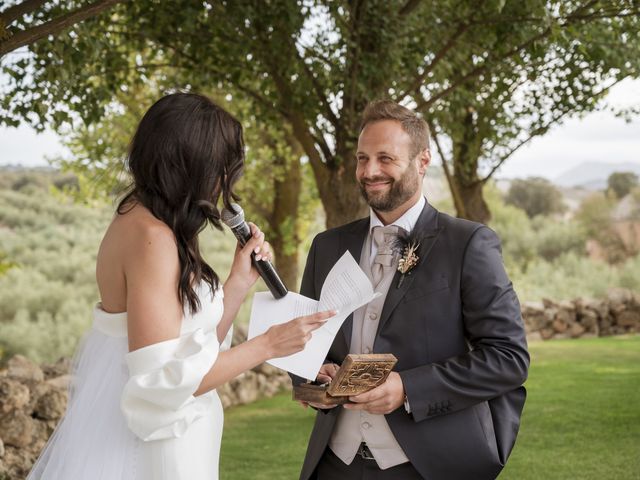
(408, 246)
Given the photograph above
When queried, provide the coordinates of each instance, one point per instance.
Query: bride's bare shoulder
(135, 231)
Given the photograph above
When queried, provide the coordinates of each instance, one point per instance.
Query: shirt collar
(406, 221)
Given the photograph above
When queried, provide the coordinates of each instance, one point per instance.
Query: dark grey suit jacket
(455, 327)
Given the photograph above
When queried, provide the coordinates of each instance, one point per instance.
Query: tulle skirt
(93, 441)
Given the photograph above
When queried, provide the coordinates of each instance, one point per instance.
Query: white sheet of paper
(345, 289)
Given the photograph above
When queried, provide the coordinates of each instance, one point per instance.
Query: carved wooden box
(358, 374)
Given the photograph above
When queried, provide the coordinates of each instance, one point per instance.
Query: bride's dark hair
(185, 154)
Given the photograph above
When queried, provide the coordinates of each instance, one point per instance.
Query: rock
(546, 333)
(21, 368)
(13, 396)
(268, 370)
(17, 463)
(576, 330)
(588, 318)
(51, 403)
(567, 305)
(42, 430)
(535, 321)
(560, 326)
(61, 382)
(17, 429)
(61, 368)
(246, 390)
(566, 315)
(1, 448)
(628, 318)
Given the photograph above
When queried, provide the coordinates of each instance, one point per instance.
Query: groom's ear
(424, 160)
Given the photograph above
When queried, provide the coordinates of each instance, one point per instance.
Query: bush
(620, 184)
(536, 196)
(48, 290)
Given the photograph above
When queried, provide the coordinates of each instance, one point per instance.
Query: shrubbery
(48, 246)
(47, 280)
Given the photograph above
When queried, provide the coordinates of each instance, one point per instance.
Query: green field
(581, 420)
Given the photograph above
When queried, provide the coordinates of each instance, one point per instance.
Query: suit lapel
(353, 240)
(427, 228)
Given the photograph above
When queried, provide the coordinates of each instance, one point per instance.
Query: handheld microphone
(235, 221)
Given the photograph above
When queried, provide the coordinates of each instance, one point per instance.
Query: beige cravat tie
(383, 262)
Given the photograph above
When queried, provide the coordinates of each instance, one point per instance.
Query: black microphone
(235, 221)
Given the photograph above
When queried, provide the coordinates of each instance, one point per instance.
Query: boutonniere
(407, 246)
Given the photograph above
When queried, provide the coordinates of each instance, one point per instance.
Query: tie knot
(384, 237)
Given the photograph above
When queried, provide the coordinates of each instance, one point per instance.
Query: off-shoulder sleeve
(157, 400)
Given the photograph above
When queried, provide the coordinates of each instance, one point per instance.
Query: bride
(142, 402)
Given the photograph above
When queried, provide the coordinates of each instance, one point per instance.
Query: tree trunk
(284, 223)
(465, 184)
(341, 198)
(475, 207)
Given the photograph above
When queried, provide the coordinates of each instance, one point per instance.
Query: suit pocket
(432, 286)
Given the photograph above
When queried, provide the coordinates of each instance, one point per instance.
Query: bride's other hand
(243, 275)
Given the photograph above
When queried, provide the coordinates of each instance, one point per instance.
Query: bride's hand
(288, 338)
(243, 275)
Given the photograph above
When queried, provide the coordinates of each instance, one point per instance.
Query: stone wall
(617, 314)
(33, 398)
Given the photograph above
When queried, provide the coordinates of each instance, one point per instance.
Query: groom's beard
(399, 191)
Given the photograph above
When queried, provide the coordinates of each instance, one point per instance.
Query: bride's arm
(152, 273)
(279, 341)
(241, 278)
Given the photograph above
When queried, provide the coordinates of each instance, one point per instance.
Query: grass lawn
(581, 420)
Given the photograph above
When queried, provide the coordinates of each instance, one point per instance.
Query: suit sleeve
(498, 360)
(308, 286)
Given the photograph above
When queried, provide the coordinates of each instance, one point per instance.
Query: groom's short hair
(411, 123)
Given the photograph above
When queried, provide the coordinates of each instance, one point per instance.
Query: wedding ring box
(356, 375)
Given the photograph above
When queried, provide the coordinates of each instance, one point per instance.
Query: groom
(451, 408)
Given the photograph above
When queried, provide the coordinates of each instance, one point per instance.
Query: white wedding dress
(133, 416)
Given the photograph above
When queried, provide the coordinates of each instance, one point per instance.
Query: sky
(599, 136)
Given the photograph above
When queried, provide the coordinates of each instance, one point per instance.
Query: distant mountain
(593, 175)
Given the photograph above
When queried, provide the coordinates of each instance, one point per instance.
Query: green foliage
(621, 183)
(536, 196)
(595, 215)
(489, 76)
(51, 242)
(582, 399)
(46, 298)
(546, 258)
(5, 264)
(525, 240)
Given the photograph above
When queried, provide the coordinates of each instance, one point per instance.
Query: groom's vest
(356, 426)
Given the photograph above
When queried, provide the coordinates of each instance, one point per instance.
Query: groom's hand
(381, 400)
(325, 375)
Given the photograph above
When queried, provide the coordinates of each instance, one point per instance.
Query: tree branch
(485, 66)
(16, 11)
(453, 188)
(26, 37)
(536, 132)
(331, 116)
(409, 7)
(449, 44)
